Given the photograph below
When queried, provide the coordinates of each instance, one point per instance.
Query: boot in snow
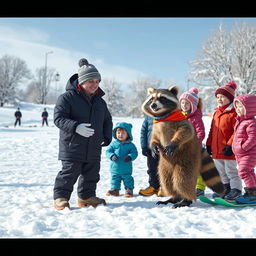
(149, 191)
(93, 201)
(227, 189)
(112, 192)
(61, 203)
(249, 197)
(199, 192)
(128, 193)
(233, 194)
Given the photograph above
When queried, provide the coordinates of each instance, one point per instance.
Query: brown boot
(128, 193)
(149, 191)
(93, 201)
(112, 192)
(61, 203)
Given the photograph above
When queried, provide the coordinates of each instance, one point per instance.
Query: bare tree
(114, 97)
(138, 94)
(43, 83)
(244, 54)
(213, 64)
(12, 72)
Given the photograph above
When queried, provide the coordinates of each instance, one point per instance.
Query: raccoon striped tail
(210, 174)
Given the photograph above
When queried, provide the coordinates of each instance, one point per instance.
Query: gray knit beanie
(87, 71)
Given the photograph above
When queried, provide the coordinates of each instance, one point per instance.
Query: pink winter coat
(196, 120)
(244, 143)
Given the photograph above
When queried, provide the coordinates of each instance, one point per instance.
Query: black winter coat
(17, 114)
(73, 108)
(45, 114)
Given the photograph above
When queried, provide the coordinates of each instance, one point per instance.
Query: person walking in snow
(220, 139)
(244, 145)
(121, 152)
(191, 106)
(18, 116)
(44, 117)
(85, 125)
(152, 163)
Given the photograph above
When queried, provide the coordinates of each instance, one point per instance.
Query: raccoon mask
(161, 101)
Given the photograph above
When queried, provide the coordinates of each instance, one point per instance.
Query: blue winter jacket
(145, 132)
(121, 149)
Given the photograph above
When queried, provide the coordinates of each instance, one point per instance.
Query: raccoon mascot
(182, 158)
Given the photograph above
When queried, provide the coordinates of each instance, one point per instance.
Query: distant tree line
(223, 57)
(14, 72)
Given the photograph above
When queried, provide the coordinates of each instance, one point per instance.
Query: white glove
(83, 130)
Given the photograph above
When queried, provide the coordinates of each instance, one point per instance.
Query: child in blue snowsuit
(121, 152)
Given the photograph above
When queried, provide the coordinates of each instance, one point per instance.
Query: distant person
(44, 117)
(18, 116)
(121, 152)
(85, 125)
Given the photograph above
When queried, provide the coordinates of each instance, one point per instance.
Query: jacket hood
(126, 126)
(73, 82)
(249, 103)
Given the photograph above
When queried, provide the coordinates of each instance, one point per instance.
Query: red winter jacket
(222, 132)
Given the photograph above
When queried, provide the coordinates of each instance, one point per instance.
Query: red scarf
(174, 116)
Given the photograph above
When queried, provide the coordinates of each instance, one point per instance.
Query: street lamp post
(45, 74)
(57, 79)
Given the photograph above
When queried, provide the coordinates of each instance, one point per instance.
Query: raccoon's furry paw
(171, 200)
(170, 149)
(154, 150)
(182, 203)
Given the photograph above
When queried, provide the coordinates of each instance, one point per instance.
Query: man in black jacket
(85, 125)
(44, 117)
(18, 116)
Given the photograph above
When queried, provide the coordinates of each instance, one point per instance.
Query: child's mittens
(114, 158)
(209, 150)
(145, 152)
(227, 150)
(127, 159)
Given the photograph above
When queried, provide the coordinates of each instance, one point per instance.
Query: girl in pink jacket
(244, 145)
(191, 107)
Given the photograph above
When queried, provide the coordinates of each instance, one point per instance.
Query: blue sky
(124, 48)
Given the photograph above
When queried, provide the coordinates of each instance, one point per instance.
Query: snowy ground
(28, 167)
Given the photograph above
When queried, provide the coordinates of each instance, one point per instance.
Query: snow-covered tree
(43, 84)
(244, 54)
(226, 56)
(138, 94)
(13, 71)
(114, 97)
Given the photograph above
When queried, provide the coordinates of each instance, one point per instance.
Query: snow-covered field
(29, 165)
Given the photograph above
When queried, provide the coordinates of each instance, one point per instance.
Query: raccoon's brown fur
(178, 172)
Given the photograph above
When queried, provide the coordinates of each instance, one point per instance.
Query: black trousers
(87, 175)
(152, 172)
(17, 121)
(44, 120)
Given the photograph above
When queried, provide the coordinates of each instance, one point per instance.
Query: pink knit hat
(228, 90)
(192, 96)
